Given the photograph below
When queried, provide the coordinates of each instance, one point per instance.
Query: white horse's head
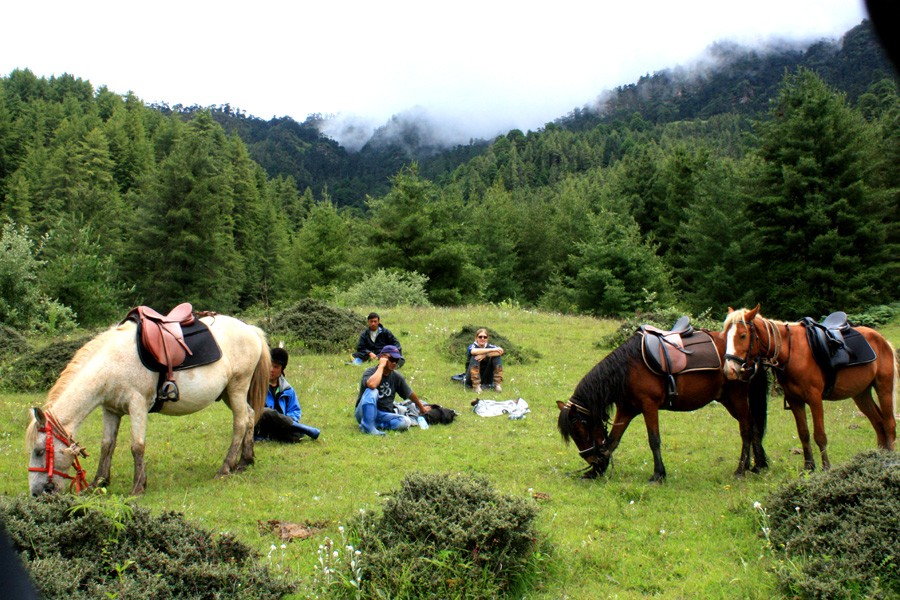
(51, 455)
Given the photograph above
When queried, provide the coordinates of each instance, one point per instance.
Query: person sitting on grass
(377, 389)
(373, 338)
(280, 419)
(484, 362)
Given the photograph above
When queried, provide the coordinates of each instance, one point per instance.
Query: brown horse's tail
(256, 395)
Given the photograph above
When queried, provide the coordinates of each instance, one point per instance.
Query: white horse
(107, 372)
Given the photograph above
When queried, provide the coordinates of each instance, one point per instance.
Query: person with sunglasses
(377, 389)
(484, 362)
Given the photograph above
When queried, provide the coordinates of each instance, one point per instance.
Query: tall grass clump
(94, 546)
(837, 531)
(315, 326)
(440, 536)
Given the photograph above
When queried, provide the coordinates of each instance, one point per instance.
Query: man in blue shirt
(280, 419)
(378, 388)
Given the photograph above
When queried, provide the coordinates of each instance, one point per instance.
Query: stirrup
(168, 392)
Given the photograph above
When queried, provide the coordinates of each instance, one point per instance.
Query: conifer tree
(820, 239)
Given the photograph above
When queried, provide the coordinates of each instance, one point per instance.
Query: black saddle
(836, 345)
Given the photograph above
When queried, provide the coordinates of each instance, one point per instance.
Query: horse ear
(752, 314)
(39, 417)
(730, 310)
(560, 404)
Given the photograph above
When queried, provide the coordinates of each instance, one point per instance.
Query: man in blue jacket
(371, 341)
(280, 419)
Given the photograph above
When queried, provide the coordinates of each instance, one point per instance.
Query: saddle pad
(703, 354)
(198, 338)
(856, 351)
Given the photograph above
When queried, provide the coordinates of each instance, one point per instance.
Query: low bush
(837, 530)
(875, 316)
(38, 369)
(663, 318)
(440, 536)
(95, 546)
(315, 326)
(12, 342)
(387, 288)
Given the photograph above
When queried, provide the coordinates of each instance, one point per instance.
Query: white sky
(487, 66)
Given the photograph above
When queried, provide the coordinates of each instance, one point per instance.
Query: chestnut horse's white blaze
(107, 373)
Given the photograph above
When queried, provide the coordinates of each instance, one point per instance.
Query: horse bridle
(763, 357)
(54, 431)
(593, 451)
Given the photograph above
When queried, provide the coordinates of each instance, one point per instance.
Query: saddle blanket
(198, 338)
(516, 409)
(703, 355)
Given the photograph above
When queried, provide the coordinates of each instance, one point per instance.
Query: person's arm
(293, 409)
(494, 351)
(361, 345)
(422, 407)
(375, 378)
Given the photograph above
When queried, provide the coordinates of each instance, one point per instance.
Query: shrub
(95, 547)
(838, 530)
(318, 327)
(11, 342)
(875, 316)
(37, 370)
(662, 318)
(443, 536)
(387, 288)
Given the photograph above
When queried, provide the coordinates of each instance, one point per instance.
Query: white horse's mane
(81, 357)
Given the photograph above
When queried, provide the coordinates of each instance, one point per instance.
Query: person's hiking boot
(498, 387)
(477, 389)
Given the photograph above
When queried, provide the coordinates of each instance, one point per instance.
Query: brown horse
(754, 340)
(622, 380)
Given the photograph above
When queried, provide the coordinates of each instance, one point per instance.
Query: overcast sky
(486, 66)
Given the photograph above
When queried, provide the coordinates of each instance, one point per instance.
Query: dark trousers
(489, 369)
(273, 425)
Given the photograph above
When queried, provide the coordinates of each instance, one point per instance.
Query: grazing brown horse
(754, 340)
(622, 380)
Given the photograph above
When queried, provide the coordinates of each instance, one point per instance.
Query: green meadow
(696, 535)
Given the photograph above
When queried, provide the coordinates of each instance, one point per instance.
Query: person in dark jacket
(373, 339)
(280, 419)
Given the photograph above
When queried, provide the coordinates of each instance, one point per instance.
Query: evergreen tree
(416, 229)
(820, 234)
(183, 247)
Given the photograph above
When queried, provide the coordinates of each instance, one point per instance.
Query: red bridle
(54, 431)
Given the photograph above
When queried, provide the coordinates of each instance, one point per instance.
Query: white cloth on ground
(516, 409)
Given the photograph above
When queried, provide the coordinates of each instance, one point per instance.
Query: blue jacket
(286, 398)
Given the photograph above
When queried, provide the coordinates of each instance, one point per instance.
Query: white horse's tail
(256, 395)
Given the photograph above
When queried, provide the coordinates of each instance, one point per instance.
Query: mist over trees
(109, 203)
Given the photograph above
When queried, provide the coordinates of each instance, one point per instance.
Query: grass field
(697, 535)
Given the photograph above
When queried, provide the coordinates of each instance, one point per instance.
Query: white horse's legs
(241, 427)
(138, 441)
(111, 423)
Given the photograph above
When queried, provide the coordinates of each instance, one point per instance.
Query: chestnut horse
(622, 380)
(754, 340)
(107, 372)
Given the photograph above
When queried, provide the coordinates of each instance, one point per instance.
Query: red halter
(54, 430)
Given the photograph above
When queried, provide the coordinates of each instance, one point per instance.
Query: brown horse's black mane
(605, 383)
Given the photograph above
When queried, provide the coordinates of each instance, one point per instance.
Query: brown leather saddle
(677, 350)
(163, 345)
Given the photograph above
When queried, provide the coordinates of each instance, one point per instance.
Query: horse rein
(54, 431)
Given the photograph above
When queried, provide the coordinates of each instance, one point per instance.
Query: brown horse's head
(742, 343)
(577, 424)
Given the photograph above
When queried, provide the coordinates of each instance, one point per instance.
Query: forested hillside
(109, 203)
